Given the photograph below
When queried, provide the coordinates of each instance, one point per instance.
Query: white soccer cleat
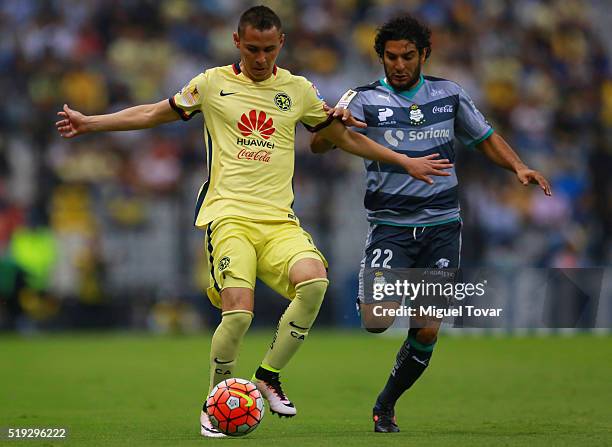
(206, 428)
(273, 392)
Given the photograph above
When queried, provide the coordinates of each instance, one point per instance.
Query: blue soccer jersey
(418, 122)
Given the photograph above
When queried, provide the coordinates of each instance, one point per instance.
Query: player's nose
(400, 66)
(260, 58)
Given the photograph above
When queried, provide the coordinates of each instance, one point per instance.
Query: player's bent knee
(375, 330)
(427, 335)
(237, 298)
(376, 325)
(373, 321)
(307, 269)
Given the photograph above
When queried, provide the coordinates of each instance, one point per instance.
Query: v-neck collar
(408, 94)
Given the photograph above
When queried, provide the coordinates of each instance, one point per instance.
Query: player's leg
(309, 278)
(232, 263)
(387, 247)
(375, 315)
(236, 315)
(410, 363)
(292, 266)
(441, 249)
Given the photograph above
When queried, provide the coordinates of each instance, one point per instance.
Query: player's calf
(375, 316)
(226, 343)
(411, 361)
(427, 335)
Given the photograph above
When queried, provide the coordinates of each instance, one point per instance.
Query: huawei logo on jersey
(256, 122)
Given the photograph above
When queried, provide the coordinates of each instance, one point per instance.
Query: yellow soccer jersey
(249, 133)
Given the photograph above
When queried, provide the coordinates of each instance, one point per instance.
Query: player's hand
(422, 167)
(345, 116)
(72, 124)
(527, 176)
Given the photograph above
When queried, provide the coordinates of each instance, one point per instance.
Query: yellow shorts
(241, 250)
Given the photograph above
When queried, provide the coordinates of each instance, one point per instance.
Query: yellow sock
(295, 323)
(226, 343)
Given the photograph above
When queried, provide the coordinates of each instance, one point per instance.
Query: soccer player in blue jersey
(414, 221)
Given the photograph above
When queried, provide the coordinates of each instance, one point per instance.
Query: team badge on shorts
(224, 263)
(282, 101)
(379, 282)
(442, 263)
(416, 115)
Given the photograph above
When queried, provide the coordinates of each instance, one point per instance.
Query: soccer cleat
(271, 389)
(206, 428)
(384, 420)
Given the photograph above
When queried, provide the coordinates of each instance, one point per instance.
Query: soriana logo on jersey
(257, 129)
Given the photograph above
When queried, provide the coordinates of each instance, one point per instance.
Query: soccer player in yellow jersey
(250, 112)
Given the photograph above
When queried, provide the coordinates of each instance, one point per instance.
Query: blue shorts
(400, 247)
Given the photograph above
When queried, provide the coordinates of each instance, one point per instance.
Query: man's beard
(408, 84)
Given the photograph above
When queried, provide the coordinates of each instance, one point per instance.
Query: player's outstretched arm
(318, 144)
(499, 152)
(420, 168)
(145, 116)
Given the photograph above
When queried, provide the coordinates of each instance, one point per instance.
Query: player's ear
(424, 54)
(282, 40)
(236, 39)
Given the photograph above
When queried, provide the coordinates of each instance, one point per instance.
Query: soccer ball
(235, 407)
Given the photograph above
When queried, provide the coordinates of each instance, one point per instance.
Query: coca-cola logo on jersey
(442, 109)
(262, 155)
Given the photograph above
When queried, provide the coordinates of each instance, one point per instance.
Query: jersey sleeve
(188, 101)
(471, 127)
(313, 115)
(351, 100)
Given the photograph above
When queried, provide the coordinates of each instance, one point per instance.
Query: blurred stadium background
(96, 232)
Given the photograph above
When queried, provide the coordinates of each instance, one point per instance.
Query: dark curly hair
(403, 28)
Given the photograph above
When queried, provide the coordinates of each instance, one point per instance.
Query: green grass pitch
(138, 390)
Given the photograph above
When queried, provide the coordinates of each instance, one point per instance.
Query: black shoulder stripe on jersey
(365, 88)
(319, 126)
(434, 79)
(399, 203)
(184, 115)
(177, 109)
